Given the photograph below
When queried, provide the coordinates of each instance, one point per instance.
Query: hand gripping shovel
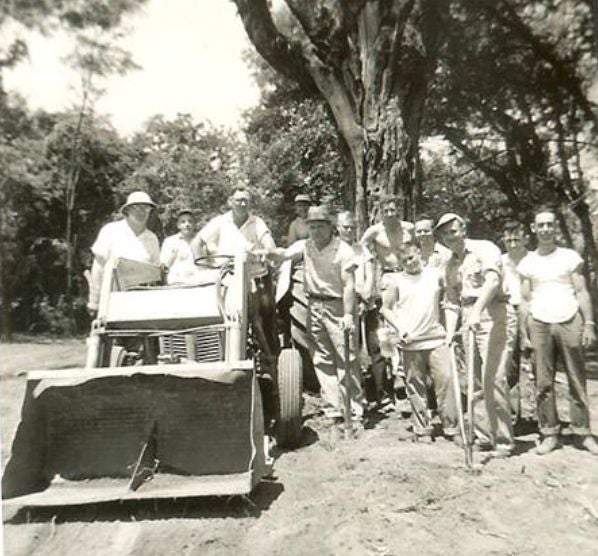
(347, 384)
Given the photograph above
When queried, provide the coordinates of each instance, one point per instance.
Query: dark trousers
(564, 338)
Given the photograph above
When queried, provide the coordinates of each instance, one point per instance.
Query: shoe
(455, 439)
(589, 443)
(548, 444)
(482, 446)
(424, 438)
(501, 452)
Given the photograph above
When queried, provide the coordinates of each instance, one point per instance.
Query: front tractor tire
(290, 392)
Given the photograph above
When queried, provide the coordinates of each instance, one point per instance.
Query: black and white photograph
(299, 277)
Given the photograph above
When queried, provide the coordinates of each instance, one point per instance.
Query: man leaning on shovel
(329, 285)
(474, 288)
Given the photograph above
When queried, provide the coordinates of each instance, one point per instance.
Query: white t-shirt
(177, 256)
(553, 297)
(418, 307)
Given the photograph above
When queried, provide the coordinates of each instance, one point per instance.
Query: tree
(372, 61)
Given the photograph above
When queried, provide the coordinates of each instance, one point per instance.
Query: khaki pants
(324, 326)
(492, 359)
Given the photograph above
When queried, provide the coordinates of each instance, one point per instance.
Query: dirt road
(380, 494)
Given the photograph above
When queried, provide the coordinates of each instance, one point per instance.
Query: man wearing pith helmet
(329, 285)
(475, 289)
(127, 238)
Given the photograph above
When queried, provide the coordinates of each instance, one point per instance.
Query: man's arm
(487, 293)
(369, 237)
(526, 295)
(585, 306)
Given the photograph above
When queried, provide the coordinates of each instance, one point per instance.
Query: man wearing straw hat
(474, 287)
(128, 238)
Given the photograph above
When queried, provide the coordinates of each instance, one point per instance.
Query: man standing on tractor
(329, 285)
(411, 305)
(474, 287)
(127, 238)
(298, 229)
(177, 255)
(557, 307)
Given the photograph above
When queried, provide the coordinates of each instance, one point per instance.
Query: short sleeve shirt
(177, 255)
(222, 237)
(467, 273)
(363, 263)
(323, 267)
(553, 296)
(417, 308)
(117, 239)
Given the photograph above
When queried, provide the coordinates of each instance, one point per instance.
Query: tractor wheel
(290, 390)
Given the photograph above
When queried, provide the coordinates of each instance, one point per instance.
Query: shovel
(347, 384)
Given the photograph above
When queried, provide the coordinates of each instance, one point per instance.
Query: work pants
(421, 366)
(566, 338)
(324, 326)
(492, 359)
(377, 363)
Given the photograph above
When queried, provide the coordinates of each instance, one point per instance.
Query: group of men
(425, 282)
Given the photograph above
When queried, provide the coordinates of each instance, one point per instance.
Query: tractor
(170, 402)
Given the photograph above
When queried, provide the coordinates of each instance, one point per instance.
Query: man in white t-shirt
(127, 238)
(176, 253)
(411, 303)
(557, 302)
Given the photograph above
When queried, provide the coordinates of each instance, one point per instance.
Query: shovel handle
(471, 340)
(347, 384)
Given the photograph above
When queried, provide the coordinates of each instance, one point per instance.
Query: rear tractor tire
(290, 392)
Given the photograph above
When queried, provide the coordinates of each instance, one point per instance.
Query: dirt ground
(380, 494)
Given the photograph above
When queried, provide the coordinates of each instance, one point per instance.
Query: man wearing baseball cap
(474, 288)
(127, 238)
(329, 284)
(298, 229)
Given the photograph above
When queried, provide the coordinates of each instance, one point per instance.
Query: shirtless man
(386, 238)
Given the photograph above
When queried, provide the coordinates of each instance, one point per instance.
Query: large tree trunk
(372, 61)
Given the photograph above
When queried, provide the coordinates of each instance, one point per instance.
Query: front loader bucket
(117, 433)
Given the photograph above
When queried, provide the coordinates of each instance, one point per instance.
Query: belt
(320, 297)
(471, 300)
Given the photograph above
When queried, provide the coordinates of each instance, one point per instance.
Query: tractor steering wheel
(207, 261)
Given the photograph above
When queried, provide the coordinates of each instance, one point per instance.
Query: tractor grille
(202, 346)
